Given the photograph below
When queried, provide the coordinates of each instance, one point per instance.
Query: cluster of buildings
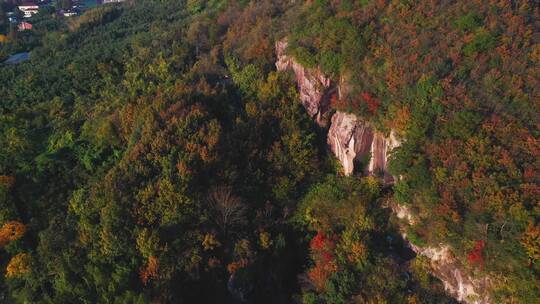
(29, 8)
(21, 25)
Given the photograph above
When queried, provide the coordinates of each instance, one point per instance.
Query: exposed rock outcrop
(449, 270)
(457, 282)
(357, 146)
(314, 88)
(354, 141)
(381, 146)
(350, 138)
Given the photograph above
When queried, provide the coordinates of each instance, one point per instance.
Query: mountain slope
(152, 153)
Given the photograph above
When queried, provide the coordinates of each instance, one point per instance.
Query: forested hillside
(152, 153)
(459, 82)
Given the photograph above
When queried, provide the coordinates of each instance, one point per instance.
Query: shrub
(482, 42)
(468, 22)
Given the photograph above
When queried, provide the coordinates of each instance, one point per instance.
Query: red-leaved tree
(322, 252)
(371, 102)
(476, 256)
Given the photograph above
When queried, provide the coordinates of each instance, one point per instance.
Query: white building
(28, 9)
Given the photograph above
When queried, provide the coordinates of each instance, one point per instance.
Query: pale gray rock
(314, 88)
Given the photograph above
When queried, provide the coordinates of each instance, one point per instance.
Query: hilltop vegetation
(459, 82)
(151, 153)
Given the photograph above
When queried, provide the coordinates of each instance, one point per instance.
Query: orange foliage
(11, 231)
(321, 242)
(322, 249)
(371, 102)
(7, 181)
(234, 266)
(320, 273)
(183, 169)
(401, 119)
(151, 271)
(358, 252)
(337, 103)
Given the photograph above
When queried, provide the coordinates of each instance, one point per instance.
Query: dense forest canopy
(151, 153)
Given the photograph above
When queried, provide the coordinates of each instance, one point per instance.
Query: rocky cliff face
(381, 146)
(359, 147)
(314, 88)
(350, 139)
(457, 282)
(354, 141)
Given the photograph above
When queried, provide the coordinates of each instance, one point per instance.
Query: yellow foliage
(531, 241)
(108, 241)
(535, 53)
(243, 248)
(413, 299)
(210, 242)
(147, 243)
(18, 266)
(401, 119)
(358, 253)
(251, 109)
(372, 183)
(265, 240)
(355, 250)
